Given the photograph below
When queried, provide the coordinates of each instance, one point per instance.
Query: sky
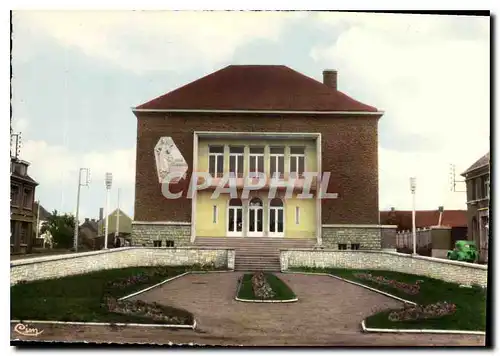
(76, 76)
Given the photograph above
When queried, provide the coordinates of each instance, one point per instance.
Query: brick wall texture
(80, 263)
(349, 149)
(450, 271)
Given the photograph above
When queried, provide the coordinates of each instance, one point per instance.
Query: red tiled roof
(256, 87)
(424, 218)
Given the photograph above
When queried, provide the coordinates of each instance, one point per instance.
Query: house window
(24, 233)
(472, 187)
(354, 246)
(157, 243)
(342, 246)
(12, 232)
(27, 199)
(236, 161)
(169, 243)
(256, 160)
(216, 161)
(297, 161)
(14, 195)
(485, 185)
(277, 162)
(214, 213)
(297, 215)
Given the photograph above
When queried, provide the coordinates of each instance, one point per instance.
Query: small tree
(61, 227)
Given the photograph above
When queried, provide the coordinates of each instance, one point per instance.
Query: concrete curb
(153, 286)
(53, 322)
(296, 299)
(167, 326)
(420, 331)
(357, 284)
(408, 331)
(168, 280)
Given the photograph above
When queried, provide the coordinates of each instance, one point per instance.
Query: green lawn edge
(80, 298)
(282, 290)
(471, 302)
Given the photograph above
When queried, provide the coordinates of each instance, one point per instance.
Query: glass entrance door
(255, 218)
(276, 218)
(235, 218)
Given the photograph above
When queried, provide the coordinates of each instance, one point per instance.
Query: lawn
(82, 297)
(470, 303)
(280, 288)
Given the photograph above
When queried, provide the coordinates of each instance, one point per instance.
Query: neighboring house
(477, 180)
(41, 216)
(22, 214)
(424, 218)
(124, 228)
(88, 232)
(247, 119)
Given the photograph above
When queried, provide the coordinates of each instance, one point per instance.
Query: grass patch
(81, 297)
(280, 288)
(470, 303)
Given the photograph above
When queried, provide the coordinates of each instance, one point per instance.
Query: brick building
(477, 180)
(244, 120)
(22, 214)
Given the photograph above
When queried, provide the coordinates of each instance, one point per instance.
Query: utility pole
(413, 186)
(117, 217)
(37, 218)
(86, 184)
(108, 182)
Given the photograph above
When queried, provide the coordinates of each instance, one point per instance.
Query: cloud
(431, 77)
(155, 40)
(51, 163)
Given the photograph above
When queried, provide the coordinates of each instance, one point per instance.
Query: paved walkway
(328, 313)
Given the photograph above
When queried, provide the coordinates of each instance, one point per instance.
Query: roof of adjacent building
(481, 162)
(256, 87)
(91, 224)
(425, 218)
(44, 214)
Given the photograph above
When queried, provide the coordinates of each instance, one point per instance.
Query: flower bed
(407, 288)
(263, 287)
(416, 312)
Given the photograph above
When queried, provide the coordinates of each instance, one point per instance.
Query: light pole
(85, 183)
(413, 186)
(117, 217)
(108, 182)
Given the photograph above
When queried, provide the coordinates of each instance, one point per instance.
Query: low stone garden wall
(450, 271)
(79, 263)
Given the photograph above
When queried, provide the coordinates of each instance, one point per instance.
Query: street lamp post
(413, 186)
(117, 232)
(85, 183)
(108, 182)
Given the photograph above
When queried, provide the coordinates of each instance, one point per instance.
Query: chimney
(330, 78)
(86, 219)
(93, 220)
(101, 213)
(393, 209)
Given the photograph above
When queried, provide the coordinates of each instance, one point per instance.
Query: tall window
(277, 162)
(216, 161)
(14, 195)
(485, 183)
(214, 213)
(297, 161)
(236, 161)
(27, 199)
(256, 160)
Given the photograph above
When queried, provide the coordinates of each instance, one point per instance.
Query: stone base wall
(369, 237)
(85, 262)
(144, 234)
(450, 271)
